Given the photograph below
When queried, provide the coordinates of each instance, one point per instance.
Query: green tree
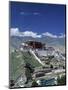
(28, 71)
(51, 66)
(34, 84)
(62, 80)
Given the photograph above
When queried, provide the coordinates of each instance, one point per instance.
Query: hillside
(57, 43)
(17, 62)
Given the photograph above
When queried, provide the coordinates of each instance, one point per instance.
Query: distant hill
(57, 43)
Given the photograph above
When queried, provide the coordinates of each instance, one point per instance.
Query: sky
(37, 19)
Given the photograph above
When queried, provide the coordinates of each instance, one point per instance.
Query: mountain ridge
(57, 43)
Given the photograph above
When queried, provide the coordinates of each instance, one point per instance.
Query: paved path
(32, 52)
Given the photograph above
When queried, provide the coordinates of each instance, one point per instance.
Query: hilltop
(57, 43)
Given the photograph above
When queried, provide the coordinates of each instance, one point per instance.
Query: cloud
(29, 13)
(49, 35)
(61, 36)
(25, 13)
(36, 13)
(16, 32)
(22, 13)
(53, 35)
(32, 34)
